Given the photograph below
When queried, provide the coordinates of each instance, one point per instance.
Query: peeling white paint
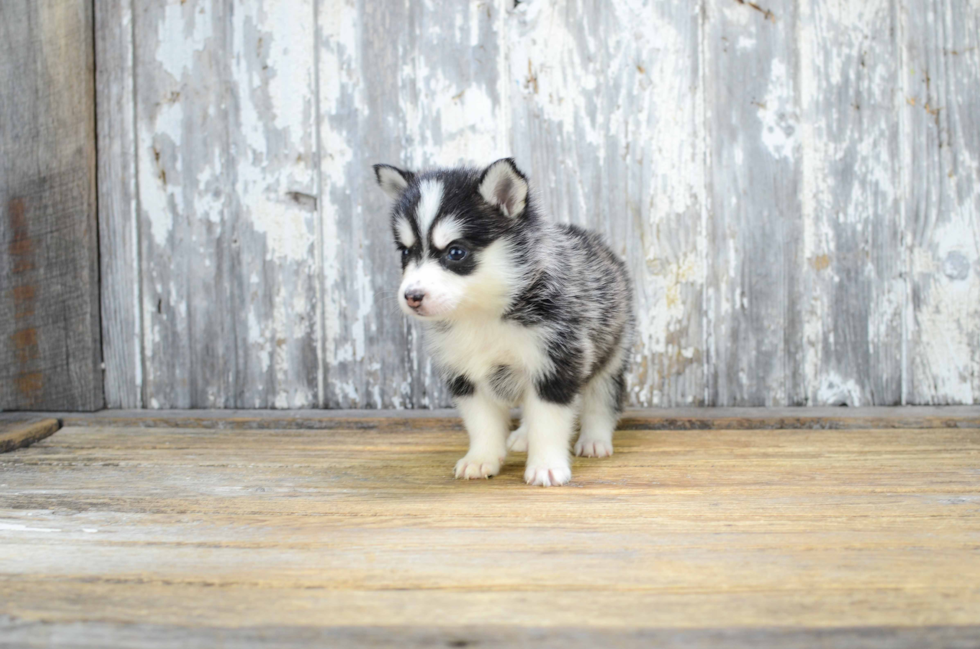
(777, 112)
(242, 125)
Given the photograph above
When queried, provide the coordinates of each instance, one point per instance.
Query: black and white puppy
(517, 310)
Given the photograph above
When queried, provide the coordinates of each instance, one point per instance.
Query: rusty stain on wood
(50, 351)
(765, 12)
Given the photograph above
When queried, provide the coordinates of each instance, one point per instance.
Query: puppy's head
(452, 229)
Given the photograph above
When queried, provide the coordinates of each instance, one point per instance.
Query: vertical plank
(118, 204)
(941, 43)
(853, 256)
(273, 162)
(50, 354)
(754, 275)
(607, 103)
(227, 187)
(405, 83)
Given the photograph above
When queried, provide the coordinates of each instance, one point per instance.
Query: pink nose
(414, 298)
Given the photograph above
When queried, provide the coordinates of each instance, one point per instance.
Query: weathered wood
(941, 117)
(50, 352)
(195, 530)
(853, 261)
(18, 433)
(225, 113)
(102, 634)
(753, 292)
(414, 84)
(633, 419)
(794, 187)
(122, 334)
(606, 114)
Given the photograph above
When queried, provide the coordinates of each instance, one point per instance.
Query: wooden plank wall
(796, 187)
(50, 349)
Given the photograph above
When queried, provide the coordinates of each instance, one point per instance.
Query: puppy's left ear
(505, 187)
(392, 180)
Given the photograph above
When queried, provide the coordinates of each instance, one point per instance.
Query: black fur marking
(464, 266)
(563, 382)
(460, 386)
(619, 394)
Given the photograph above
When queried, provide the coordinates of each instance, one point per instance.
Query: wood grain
(122, 329)
(794, 187)
(633, 419)
(19, 432)
(941, 50)
(411, 84)
(606, 115)
(193, 531)
(853, 263)
(50, 351)
(754, 276)
(101, 634)
(226, 143)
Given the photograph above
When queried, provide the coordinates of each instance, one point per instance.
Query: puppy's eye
(456, 253)
(405, 253)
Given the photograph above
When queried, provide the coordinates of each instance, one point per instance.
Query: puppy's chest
(502, 355)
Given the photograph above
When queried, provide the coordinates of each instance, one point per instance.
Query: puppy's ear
(392, 180)
(505, 187)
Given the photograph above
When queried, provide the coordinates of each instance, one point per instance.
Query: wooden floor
(113, 534)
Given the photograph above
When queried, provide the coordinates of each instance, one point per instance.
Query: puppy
(517, 310)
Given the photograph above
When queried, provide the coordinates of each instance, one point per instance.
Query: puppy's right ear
(392, 180)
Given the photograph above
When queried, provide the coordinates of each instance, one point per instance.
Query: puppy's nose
(414, 298)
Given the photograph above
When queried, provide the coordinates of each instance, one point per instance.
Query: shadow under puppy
(517, 310)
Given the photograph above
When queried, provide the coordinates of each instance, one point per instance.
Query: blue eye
(456, 253)
(405, 253)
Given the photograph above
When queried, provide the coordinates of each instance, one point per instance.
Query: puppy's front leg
(549, 430)
(487, 423)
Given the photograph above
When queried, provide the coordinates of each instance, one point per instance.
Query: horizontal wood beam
(634, 418)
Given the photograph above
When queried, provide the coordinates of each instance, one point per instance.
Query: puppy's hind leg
(517, 440)
(602, 403)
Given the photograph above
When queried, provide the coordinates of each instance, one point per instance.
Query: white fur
(447, 294)
(598, 419)
(474, 346)
(404, 232)
(503, 188)
(445, 232)
(517, 441)
(443, 290)
(549, 430)
(429, 203)
(487, 423)
(391, 182)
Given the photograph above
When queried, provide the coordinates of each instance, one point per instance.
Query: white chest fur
(477, 348)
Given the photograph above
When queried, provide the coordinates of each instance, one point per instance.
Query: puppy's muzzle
(414, 297)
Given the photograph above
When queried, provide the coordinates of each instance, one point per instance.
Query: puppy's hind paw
(586, 447)
(476, 467)
(548, 475)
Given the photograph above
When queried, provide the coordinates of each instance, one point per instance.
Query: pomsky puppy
(517, 310)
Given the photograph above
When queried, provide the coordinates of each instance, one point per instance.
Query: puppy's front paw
(587, 447)
(472, 467)
(547, 474)
(517, 441)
